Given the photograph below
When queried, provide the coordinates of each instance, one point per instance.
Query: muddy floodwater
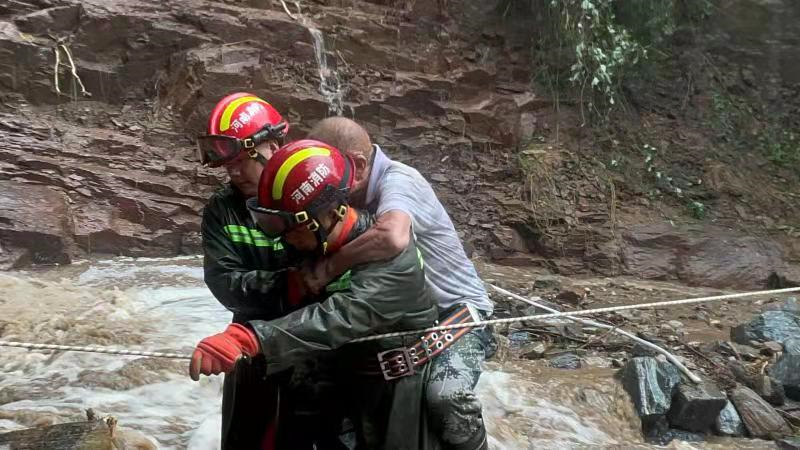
(163, 305)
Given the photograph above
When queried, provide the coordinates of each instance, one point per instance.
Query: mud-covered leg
(454, 410)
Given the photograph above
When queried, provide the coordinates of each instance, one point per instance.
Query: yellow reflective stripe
(225, 120)
(244, 230)
(241, 234)
(290, 163)
(421, 260)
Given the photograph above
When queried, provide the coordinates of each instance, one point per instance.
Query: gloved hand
(218, 353)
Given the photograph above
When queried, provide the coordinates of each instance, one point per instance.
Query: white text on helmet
(314, 179)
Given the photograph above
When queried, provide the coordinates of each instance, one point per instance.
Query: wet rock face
(763, 31)
(124, 157)
(716, 258)
(34, 225)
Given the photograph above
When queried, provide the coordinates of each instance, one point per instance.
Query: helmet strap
(253, 154)
(348, 216)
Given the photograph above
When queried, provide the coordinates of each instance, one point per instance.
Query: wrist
(246, 337)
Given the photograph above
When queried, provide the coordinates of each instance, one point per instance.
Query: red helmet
(302, 180)
(239, 121)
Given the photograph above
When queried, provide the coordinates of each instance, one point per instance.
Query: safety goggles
(216, 150)
(275, 223)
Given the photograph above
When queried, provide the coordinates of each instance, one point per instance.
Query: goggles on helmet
(216, 150)
(275, 223)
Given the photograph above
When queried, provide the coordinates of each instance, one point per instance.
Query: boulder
(695, 407)
(651, 386)
(777, 326)
(787, 372)
(35, 225)
(700, 256)
(760, 419)
(728, 422)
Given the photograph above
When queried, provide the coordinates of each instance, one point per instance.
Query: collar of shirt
(379, 165)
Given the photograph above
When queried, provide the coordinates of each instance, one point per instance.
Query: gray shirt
(450, 275)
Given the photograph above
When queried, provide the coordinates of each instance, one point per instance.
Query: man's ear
(362, 168)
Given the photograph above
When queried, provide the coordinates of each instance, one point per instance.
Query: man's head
(243, 132)
(303, 196)
(353, 140)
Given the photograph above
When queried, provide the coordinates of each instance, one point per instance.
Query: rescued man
(404, 201)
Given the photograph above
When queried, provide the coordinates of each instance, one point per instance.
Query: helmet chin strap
(253, 154)
(348, 217)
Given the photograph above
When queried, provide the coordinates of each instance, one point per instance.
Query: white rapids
(163, 305)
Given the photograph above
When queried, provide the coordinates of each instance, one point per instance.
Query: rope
(568, 315)
(584, 312)
(613, 329)
(74, 348)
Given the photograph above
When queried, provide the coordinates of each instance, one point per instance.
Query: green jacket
(243, 268)
(381, 297)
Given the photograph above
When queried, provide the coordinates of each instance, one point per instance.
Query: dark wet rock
(662, 435)
(651, 386)
(787, 372)
(728, 422)
(566, 361)
(792, 443)
(768, 326)
(518, 339)
(759, 417)
(695, 407)
(700, 256)
(569, 297)
(792, 346)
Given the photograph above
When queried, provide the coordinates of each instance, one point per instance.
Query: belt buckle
(395, 363)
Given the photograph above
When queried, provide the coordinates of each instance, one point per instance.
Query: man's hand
(219, 353)
(317, 275)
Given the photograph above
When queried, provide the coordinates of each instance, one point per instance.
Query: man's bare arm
(386, 239)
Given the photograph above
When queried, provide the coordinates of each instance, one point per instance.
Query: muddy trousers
(454, 411)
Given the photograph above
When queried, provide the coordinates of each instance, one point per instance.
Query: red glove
(219, 353)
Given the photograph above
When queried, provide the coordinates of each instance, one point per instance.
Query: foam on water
(148, 305)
